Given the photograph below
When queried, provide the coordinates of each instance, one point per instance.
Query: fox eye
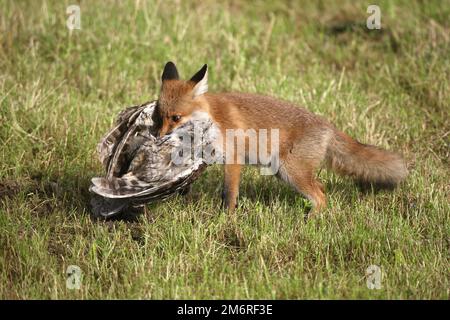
(176, 118)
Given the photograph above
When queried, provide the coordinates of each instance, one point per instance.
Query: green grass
(60, 91)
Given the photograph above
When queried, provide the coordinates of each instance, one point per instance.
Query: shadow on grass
(67, 192)
(268, 190)
(71, 193)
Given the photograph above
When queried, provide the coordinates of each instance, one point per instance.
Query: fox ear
(170, 72)
(200, 80)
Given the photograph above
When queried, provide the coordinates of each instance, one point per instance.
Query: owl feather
(140, 167)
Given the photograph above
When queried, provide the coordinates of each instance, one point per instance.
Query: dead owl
(141, 167)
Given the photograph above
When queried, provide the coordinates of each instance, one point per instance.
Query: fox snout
(163, 131)
(168, 125)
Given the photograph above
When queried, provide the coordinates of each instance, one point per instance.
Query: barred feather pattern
(139, 166)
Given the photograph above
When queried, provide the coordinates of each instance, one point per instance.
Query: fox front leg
(232, 175)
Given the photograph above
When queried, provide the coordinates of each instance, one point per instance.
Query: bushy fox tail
(365, 163)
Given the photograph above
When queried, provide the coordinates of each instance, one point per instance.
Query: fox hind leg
(302, 177)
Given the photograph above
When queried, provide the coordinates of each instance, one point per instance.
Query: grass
(60, 91)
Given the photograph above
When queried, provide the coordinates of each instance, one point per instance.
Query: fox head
(179, 99)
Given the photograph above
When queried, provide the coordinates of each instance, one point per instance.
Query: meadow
(61, 89)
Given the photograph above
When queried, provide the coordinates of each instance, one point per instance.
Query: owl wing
(112, 143)
(151, 171)
(140, 167)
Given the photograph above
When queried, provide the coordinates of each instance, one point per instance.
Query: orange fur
(305, 139)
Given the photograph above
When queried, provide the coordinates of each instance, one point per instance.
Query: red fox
(306, 140)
